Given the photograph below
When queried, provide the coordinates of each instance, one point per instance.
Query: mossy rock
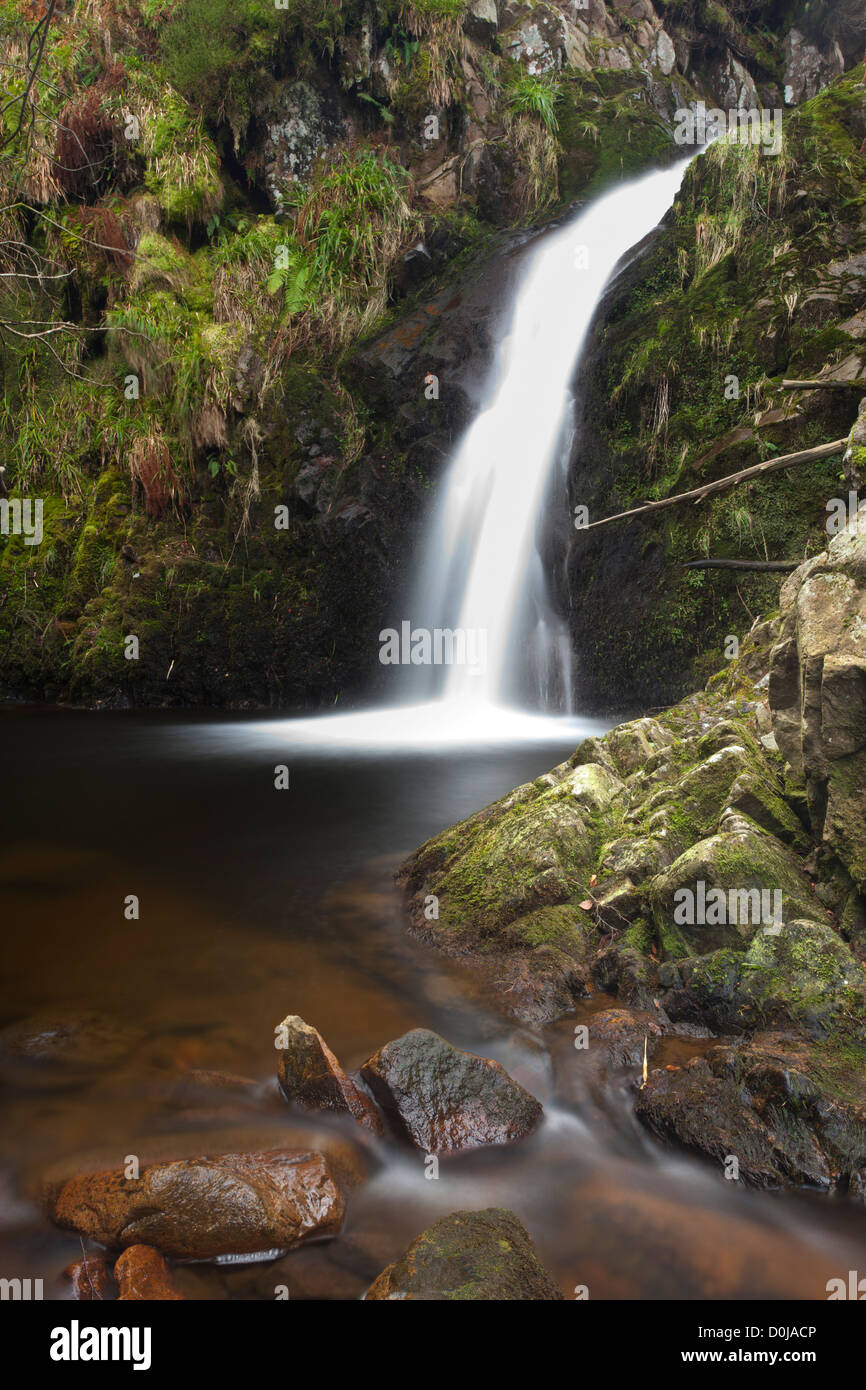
(746, 865)
(468, 1256)
(805, 977)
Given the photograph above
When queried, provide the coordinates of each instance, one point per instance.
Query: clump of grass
(182, 163)
(532, 125)
(438, 27)
(529, 95)
(350, 227)
(152, 469)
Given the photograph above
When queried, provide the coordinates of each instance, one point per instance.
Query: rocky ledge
(706, 867)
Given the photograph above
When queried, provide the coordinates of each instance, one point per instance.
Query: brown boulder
(311, 1076)
(443, 1100)
(198, 1208)
(142, 1273)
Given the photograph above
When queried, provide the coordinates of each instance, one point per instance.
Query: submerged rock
(469, 1255)
(198, 1208)
(55, 1048)
(311, 1076)
(443, 1100)
(142, 1273)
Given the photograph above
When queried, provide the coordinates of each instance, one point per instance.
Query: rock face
(142, 1274)
(443, 1100)
(647, 416)
(198, 1208)
(469, 1255)
(818, 692)
(311, 1076)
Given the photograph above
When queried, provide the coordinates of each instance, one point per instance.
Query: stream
(255, 903)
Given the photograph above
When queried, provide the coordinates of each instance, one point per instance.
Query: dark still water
(256, 903)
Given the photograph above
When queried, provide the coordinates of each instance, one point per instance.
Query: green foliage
(215, 51)
(356, 216)
(535, 96)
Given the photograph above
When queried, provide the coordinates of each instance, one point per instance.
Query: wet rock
(142, 1273)
(541, 984)
(198, 1208)
(624, 1033)
(809, 68)
(311, 1076)
(469, 1255)
(91, 1279)
(707, 1115)
(790, 1112)
(443, 1100)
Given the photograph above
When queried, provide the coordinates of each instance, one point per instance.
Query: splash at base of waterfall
(435, 724)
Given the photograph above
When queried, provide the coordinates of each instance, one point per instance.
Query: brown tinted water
(256, 903)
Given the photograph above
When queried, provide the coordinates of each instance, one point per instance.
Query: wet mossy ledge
(236, 208)
(707, 867)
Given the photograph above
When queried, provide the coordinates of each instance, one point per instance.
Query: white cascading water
(480, 571)
(485, 528)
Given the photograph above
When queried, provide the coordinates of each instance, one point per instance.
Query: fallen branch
(830, 383)
(698, 494)
(741, 565)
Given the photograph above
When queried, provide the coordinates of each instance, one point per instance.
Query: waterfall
(482, 591)
(481, 575)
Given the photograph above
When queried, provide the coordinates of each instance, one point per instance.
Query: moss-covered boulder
(577, 880)
(725, 888)
(804, 976)
(469, 1255)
